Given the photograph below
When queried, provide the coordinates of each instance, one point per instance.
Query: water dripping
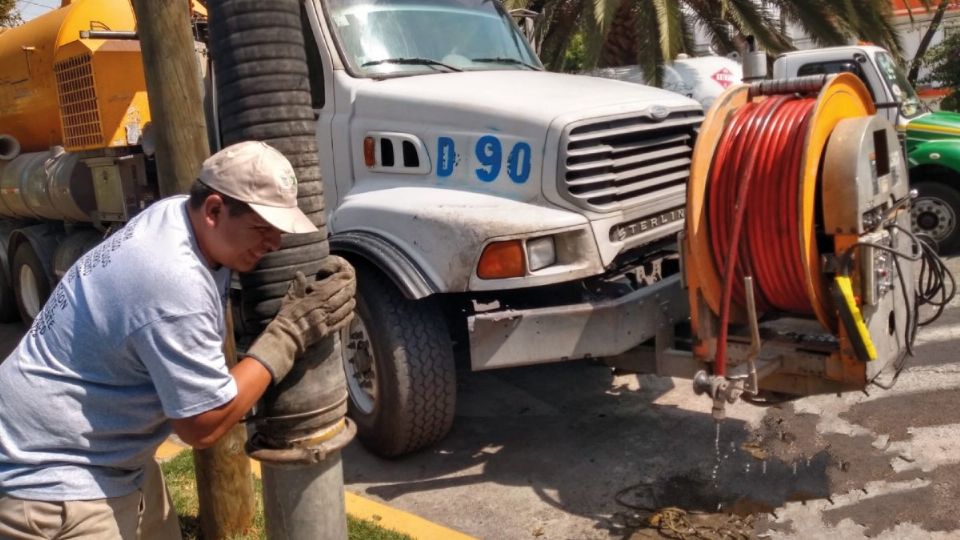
(716, 450)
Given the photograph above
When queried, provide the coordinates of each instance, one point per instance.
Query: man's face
(240, 241)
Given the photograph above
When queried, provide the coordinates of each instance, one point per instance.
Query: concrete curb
(357, 506)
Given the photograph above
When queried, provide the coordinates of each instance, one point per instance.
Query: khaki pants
(146, 515)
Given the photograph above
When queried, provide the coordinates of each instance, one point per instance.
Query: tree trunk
(925, 42)
(620, 45)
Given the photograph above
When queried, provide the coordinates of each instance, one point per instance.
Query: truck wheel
(400, 369)
(31, 288)
(935, 214)
(8, 303)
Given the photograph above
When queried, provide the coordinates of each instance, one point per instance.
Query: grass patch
(179, 476)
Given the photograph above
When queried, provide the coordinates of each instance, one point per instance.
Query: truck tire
(31, 287)
(8, 303)
(936, 214)
(400, 369)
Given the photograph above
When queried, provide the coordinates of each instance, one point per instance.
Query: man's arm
(204, 429)
(309, 312)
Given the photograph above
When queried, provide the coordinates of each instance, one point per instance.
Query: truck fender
(44, 243)
(406, 274)
(943, 153)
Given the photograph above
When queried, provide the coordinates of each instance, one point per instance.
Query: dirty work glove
(309, 312)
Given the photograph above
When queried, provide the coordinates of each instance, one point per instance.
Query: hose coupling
(719, 389)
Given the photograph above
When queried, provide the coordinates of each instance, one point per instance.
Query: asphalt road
(570, 451)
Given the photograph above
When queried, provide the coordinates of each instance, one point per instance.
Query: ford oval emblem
(659, 112)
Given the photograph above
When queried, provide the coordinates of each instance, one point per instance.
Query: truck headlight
(541, 253)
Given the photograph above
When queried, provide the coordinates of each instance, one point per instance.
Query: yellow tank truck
(74, 126)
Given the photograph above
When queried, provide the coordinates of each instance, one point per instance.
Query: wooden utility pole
(173, 86)
(224, 483)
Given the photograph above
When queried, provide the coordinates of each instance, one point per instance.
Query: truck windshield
(382, 38)
(901, 89)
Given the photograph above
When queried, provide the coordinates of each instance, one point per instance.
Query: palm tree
(649, 32)
(9, 16)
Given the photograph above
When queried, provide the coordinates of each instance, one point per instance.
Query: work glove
(308, 313)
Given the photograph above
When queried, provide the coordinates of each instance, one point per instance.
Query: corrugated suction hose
(263, 93)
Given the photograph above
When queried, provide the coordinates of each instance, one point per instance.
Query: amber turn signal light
(502, 260)
(369, 152)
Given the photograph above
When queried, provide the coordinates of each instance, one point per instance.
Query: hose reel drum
(797, 252)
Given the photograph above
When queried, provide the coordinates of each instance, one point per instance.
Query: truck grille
(613, 163)
(78, 103)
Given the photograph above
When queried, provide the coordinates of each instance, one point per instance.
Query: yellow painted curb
(359, 507)
(398, 520)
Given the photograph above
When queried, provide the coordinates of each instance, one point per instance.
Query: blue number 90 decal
(489, 153)
(518, 163)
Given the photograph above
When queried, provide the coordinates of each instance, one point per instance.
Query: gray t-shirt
(131, 336)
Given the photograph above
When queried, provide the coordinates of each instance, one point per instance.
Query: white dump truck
(495, 212)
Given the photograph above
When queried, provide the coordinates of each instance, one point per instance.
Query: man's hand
(309, 312)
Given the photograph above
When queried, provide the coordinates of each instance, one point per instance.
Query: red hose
(755, 181)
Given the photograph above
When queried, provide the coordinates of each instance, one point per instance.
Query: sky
(32, 8)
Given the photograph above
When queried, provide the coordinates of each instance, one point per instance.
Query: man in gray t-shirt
(129, 348)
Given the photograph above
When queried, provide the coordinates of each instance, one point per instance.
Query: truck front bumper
(570, 332)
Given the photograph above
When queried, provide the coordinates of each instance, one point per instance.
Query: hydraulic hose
(752, 208)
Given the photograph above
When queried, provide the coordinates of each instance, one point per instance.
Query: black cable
(934, 279)
(935, 285)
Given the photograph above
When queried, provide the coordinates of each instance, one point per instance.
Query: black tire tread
(424, 369)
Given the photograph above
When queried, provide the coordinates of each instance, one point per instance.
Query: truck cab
(932, 139)
(496, 213)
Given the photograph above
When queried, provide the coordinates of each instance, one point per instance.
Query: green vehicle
(932, 139)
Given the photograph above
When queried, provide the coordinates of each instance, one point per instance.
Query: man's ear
(213, 210)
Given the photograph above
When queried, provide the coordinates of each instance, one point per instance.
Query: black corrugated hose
(263, 93)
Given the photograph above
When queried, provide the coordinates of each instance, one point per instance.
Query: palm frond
(515, 4)
(670, 27)
(559, 22)
(750, 19)
(604, 12)
(650, 56)
(708, 15)
(815, 18)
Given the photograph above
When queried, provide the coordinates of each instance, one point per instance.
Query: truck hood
(535, 97)
(941, 122)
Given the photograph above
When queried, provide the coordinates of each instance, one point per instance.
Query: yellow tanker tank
(57, 88)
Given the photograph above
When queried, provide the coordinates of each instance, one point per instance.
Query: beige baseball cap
(259, 175)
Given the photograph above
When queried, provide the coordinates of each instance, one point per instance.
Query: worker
(129, 347)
